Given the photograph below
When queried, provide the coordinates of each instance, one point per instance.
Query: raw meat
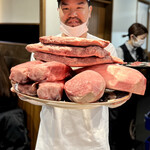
(85, 87)
(19, 73)
(120, 78)
(28, 89)
(74, 41)
(51, 90)
(76, 61)
(68, 50)
(49, 71)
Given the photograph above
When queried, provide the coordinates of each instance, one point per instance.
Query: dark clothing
(140, 54)
(13, 134)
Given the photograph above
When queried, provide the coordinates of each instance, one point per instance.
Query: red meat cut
(74, 41)
(51, 90)
(86, 87)
(120, 78)
(76, 61)
(72, 51)
(28, 89)
(19, 73)
(49, 71)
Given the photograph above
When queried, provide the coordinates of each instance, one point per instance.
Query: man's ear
(90, 10)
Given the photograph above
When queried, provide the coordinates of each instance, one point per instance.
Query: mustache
(70, 18)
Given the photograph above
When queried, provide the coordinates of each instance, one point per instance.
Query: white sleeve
(110, 48)
(120, 53)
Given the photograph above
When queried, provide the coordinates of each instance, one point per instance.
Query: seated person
(131, 50)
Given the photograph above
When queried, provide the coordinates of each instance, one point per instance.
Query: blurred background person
(131, 50)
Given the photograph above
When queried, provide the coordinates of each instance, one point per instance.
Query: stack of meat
(99, 70)
(46, 80)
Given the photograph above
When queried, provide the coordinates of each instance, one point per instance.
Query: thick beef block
(51, 90)
(85, 87)
(75, 41)
(76, 61)
(49, 71)
(120, 78)
(28, 89)
(68, 50)
(19, 73)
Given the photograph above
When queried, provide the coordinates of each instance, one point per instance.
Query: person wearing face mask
(74, 129)
(122, 119)
(131, 50)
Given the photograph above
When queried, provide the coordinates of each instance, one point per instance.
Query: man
(70, 129)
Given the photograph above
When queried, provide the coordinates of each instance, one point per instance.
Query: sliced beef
(49, 71)
(51, 90)
(19, 73)
(120, 78)
(85, 87)
(71, 51)
(75, 41)
(76, 61)
(28, 89)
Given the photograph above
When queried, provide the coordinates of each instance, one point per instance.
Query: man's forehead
(67, 2)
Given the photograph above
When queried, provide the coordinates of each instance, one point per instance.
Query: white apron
(71, 129)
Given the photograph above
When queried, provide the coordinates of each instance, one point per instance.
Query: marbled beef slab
(73, 51)
(74, 41)
(49, 71)
(19, 73)
(76, 61)
(51, 90)
(86, 87)
(120, 78)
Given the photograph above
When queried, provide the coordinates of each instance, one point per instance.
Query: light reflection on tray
(71, 105)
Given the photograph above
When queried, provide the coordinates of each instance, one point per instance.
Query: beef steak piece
(73, 51)
(51, 90)
(28, 89)
(76, 61)
(74, 41)
(49, 71)
(85, 87)
(120, 77)
(19, 73)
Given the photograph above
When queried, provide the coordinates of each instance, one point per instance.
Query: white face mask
(74, 31)
(137, 43)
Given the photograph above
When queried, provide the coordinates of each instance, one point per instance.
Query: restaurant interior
(23, 22)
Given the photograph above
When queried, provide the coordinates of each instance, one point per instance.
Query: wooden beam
(103, 1)
(42, 17)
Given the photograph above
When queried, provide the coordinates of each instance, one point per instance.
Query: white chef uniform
(71, 129)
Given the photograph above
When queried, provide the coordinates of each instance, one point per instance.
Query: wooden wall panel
(101, 20)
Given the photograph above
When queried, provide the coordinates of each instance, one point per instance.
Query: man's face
(74, 12)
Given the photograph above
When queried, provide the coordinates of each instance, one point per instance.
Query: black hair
(88, 1)
(136, 29)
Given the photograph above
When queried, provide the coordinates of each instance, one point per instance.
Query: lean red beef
(72, 51)
(76, 61)
(28, 89)
(19, 73)
(120, 78)
(49, 71)
(51, 90)
(74, 41)
(85, 87)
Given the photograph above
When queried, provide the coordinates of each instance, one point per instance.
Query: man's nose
(73, 13)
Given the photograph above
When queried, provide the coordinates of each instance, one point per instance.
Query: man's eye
(65, 9)
(79, 7)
